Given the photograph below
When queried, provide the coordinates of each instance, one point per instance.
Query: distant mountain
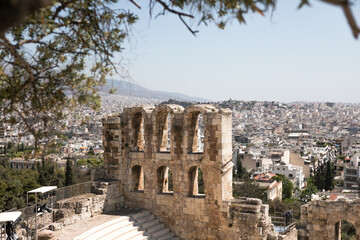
(126, 88)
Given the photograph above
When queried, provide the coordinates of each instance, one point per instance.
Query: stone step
(123, 228)
(139, 215)
(144, 219)
(154, 228)
(103, 234)
(116, 233)
(159, 232)
(165, 236)
(150, 223)
(118, 221)
(139, 238)
(128, 235)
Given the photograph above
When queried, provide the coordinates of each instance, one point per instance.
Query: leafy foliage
(348, 231)
(288, 187)
(13, 186)
(57, 58)
(249, 188)
(305, 194)
(200, 182)
(220, 12)
(324, 176)
(50, 174)
(91, 161)
(91, 151)
(240, 172)
(14, 183)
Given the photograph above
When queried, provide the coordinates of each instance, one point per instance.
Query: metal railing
(73, 190)
(282, 221)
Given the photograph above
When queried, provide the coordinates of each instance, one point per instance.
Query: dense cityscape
(297, 136)
(89, 152)
(282, 152)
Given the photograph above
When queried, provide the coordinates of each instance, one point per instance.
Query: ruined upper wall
(322, 219)
(123, 131)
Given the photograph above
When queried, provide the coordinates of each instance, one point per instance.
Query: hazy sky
(295, 55)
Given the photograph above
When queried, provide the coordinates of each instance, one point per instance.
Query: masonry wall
(138, 155)
(320, 219)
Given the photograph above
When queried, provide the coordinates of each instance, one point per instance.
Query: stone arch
(163, 116)
(164, 180)
(137, 176)
(349, 227)
(192, 114)
(196, 182)
(320, 214)
(138, 136)
(139, 117)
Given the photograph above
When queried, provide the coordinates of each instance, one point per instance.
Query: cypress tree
(240, 171)
(319, 177)
(91, 151)
(68, 173)
(329, 177)
(41, 175)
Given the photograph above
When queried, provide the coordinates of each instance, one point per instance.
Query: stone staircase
(139, 226)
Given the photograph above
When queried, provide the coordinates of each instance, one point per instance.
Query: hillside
(126, 88)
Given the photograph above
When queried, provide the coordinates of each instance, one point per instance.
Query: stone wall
(163, 176)
(320, 219)
(106, 197)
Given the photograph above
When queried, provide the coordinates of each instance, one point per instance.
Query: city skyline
(293, 55)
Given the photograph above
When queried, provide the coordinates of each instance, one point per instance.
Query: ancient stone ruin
(164, 165)
(322, 219)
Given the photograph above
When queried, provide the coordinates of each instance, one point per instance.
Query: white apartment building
(351, 172)
(291, 172)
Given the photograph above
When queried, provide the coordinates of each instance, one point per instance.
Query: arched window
(164, 180)
(170, 181)
(196, 133)
(138, 132)
(200, 133)
(344, 230)
(137, 178)
(163, 122)
(168, 132)
(196, 180)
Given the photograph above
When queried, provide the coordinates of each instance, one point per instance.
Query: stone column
(112, 147)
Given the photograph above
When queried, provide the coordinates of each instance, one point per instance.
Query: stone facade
(322, 219)
(154, 153)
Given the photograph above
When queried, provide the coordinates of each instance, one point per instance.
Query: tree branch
(180, 15)
(167, 8)
(137, 5)
(345, 5)
(22, 62)
(351, 20)
(187, 26)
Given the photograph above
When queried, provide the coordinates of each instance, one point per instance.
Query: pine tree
(68, 173)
